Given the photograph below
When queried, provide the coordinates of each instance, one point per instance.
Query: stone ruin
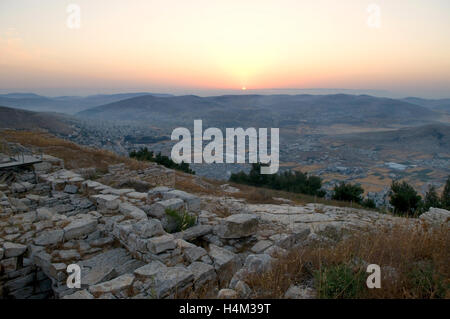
(125, 244)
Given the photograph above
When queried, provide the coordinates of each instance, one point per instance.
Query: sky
(396, 47)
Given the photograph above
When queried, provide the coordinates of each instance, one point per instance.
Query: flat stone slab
(157, 245)
(81, 294)
(194, 232)
(150, 270)
(158, 209)
(113, 286)
(148, 228)
(238, 226)
(49, 237)
(79, 228)
(13, 250)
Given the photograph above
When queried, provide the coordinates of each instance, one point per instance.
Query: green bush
(348, 192)
(431, 199)
(445, 198)
(182, 220)
(426, 283)
(340, 281)
(289, 181)
(143, 154)
(369, 203)
(405, 199)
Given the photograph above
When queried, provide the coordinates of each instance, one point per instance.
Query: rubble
(114, 232)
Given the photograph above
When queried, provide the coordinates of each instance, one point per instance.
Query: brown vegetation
(414, 264)
(74, 156)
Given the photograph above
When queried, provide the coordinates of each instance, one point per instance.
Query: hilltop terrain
(354, 138)
(21, 119)
(117, 225)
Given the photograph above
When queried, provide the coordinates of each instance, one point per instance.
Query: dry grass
(414, 264)
(74, 156)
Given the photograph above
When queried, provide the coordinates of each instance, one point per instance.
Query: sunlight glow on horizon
(231, 45)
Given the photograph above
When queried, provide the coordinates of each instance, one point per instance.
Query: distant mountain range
(442, 104)
(63, 104)
(266, 110)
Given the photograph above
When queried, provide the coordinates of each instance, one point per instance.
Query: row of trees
(352, 193)
(295, 182)
(143, 154)
(406, 201)
(403, 197)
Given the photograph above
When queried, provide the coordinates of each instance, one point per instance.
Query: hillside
(21, 119)
(427, 138)
(440, 104)
(126, 227)
(62, 104)
(265, 110)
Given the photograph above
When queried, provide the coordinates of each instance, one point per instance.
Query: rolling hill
(265, 110)
(27, 120)
(63, 104)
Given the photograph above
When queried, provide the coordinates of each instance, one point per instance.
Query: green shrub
(348, 192)
(431, 199)
(143, 154)
(404, 199)
(181, 220)
(289, 181)
(425, 282)
(340, 281)
(445, 197)
(369, 203)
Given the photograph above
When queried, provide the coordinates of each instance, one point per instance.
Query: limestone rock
(227, 294)
(148, 228)
(158, 209)
(258, 263)
(194, 232)
(49, 237)
(70, 189)
(261, 245)
(79, 228)
(436, 216)
(160, 244)
(203, 273)
(173, 280)
(13, 250)
(81, 294)
(150, 270)
(44, 213)
(226, 263)
(192, 201)
(113, 286)
(194, 253)
(132, 211)
(238, 226)
(299, 292)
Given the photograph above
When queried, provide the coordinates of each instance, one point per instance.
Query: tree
(369, 203)
(404, 199)
(143, 154)
(348, 192)
(295, 182)
(431, 199)
(445, 197)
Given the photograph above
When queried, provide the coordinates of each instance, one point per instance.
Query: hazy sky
(203, 46)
